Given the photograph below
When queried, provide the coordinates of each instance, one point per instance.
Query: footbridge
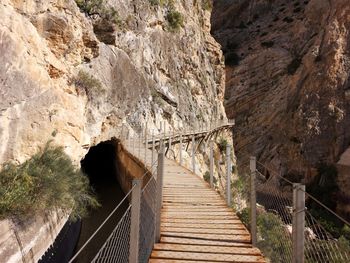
(172, 215)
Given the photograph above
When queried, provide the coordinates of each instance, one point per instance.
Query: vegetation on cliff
(47, 181)
(98, 8)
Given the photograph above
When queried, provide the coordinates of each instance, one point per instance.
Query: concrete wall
(128, 168)
(27, 242)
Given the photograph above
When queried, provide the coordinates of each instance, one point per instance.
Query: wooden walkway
(196, 224)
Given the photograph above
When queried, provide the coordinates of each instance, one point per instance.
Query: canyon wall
(78, 78)
(287, 79)
(287, 82)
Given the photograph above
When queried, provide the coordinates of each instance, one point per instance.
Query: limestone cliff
(287, 79)
(74, 78)
(59, 81)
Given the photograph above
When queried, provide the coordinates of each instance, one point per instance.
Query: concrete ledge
(129, 167)
(27, 243)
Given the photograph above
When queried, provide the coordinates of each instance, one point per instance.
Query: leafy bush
(175, 19)
(98, 8)
(222, 144)
(48, 180)
(88, 83)
(207, 5)
(206, 177)
(244, 216)
(325, 182)
(275, 241)
(160, 2)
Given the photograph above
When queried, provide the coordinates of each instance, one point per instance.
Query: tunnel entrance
(100, 165)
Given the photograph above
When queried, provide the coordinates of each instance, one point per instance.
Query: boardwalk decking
(196, 224)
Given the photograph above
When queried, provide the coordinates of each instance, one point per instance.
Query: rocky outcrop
(60, 82)
(77, 80)
(287, 79)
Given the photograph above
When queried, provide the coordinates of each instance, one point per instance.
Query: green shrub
(175, 19)
(154, 2)
(222, 144)
(206, 177)
(160, 2)
(275, 241)
(88, 83)
(207, 5)
(244, 216)
(100, 9)
(47, 181)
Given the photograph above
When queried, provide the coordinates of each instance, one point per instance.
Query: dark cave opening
(100, 165)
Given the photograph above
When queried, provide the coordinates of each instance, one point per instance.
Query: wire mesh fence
(147, 221)
(116, 248)
(326, 235)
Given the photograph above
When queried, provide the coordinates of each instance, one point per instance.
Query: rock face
(79, 80)
(59, 82)
(287, 79)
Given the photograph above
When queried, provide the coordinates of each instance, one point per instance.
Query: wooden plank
(218, 237)
(191, 194)
(197, 225)
(237, 225)
(157, 260)
(194, 206)
(197, 216)
(199, 213)
(219, 212)
(206, 256)
(199, 220)
(204, 230)
(196, 241)
(191, 202)
(206, 248)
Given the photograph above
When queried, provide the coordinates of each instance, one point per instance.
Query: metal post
(298, 223)
(169, 147)
(135, 221)
(211, 164)
(253, 231)
(121, 136)
(228, 175)
(180, 153)
(146, 144)
(153, 149)
(159, 198)
(140, 145)
(193, 155)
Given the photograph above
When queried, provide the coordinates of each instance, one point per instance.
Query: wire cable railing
(323, 239)
(118, 245)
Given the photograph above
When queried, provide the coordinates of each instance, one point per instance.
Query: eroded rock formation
(287, 79)
(149, 74)
(287, 82)
(77, 80)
